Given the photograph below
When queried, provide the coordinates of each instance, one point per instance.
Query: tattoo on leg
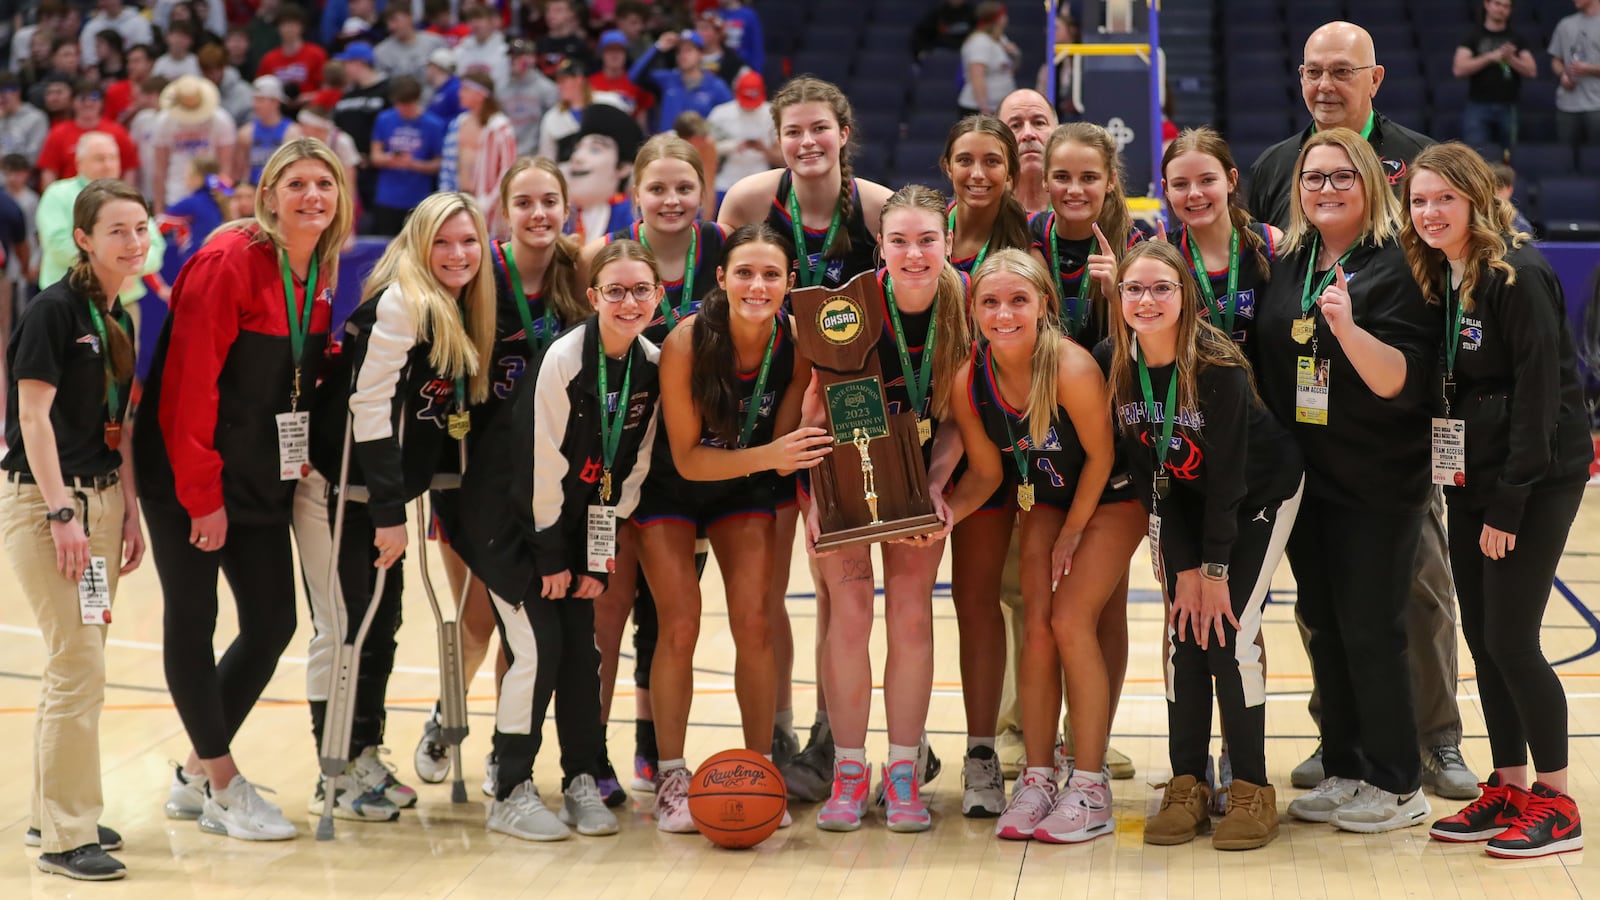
(857, 570)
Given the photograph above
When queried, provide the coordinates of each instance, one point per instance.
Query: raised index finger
(1105, 245)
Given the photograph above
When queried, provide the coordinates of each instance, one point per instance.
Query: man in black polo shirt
(1338, 79)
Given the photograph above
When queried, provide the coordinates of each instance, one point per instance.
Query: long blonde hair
(1200, 343)
(1045, 364)
(950, 299)
(332, 240)
(563, 290)
(1488, 227)
(1382, 209)
(459, 348)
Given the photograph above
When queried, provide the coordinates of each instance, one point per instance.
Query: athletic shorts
(666, 497)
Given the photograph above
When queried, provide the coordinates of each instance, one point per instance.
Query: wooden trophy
(874, 486)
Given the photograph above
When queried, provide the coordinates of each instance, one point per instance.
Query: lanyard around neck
(508, 261)
(810, 277)
(919, 380)
(686, 296)
(1228, 306)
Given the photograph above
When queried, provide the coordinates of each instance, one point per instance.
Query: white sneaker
(672, 803)
(238, 811)
(1375, 810)
(432, 757)
(375, 774)
(984, 788)
(584, 809)
(186, 799)
(353, 800)
(524, 815)
(491, 776)
(1324, 800)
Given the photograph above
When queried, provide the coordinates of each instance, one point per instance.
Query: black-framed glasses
(1341, 74)
(643, 292)
(1160, 291)
(1341, 179)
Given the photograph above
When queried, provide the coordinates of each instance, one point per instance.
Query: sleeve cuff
(387, 515)
(1505, 509)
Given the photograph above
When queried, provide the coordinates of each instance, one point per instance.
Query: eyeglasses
(1342, 179)
(1341, 74)
(643, 292)
(1160, 291)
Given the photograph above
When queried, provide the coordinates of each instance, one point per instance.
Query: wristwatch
(63, 515)
(1214, 571)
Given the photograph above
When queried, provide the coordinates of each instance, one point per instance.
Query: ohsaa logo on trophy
(840, 320)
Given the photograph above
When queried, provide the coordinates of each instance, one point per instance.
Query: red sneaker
(1549, 825)
(1486, 817)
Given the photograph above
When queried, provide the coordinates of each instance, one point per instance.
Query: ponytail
(713, 366)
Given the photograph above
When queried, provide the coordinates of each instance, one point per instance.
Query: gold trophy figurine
(862, 442)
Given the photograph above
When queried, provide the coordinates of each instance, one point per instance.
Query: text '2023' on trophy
(873, 486)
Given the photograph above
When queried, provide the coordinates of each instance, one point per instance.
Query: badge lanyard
(686, 297)
(299, 323)
(919, 384)
(1305, 327)
(982, 253)
(1169, 416)
(508, 260)
(754, 411)
(1019, 449)
(1452, 340)
(611, 423)
(809, 277)
(1074, 323)
(113, 392)
(1228, 306)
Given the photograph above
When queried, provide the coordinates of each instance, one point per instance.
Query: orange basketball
(737, 798)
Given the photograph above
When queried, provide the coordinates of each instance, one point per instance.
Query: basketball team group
(1366, 368)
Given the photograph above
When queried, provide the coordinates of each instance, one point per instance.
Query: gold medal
(1303, 329)
(1025, 496)
(924, 430)
(605, 486)
(458, 424)
(113, 435)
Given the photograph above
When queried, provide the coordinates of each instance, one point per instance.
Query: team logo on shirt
(1245, 304)
(840, 320)
(93, 341)
(1051, 442)
(1395, 169)
(1471, 333)
(834, 271)
(1183, 456)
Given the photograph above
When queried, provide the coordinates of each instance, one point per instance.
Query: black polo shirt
(1272, 178)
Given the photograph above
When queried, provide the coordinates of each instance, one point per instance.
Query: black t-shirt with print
(1496, 82)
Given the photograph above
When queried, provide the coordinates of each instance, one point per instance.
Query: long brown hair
(95, 196)
(490, 104)
(1487, 229)
(1205, 140)
(1115, 220)
(950, 300)
(1011, 224)
(713, 367)
(563, 291)
(1200, 343)
(1045, 364)
(806, 89)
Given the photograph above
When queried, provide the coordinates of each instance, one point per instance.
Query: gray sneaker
(1308, 774)
(1446, 772)
(524, 815)
(785, 746)
(809, 776)
(584, 809)
(1329, 796)
(186, 799)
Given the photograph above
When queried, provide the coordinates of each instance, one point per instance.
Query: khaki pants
(66, 732)
(1430, 639)
(1011, 610)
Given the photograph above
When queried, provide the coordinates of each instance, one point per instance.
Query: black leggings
(1353, 569)
(357, 578)
(550, 649)
(1241, 688)
(213, 697)
(1502, 608)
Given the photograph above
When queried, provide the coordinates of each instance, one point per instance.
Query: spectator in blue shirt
(684, 87)
(741, 30)
(446, 103)
(407, 147)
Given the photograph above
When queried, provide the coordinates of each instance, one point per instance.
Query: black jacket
(1272, 178)
(1519, 392)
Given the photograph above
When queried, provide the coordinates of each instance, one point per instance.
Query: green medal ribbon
(754, 411)
(1019, 453)
(508, 260)
(299, 323)
(809, 277)
(919, 384)
(1169, 413)
(113, 392)
(1308, 296)
(1077, 310)
(686, 297)
(982, 253)
(611, 423)
(1228, 306)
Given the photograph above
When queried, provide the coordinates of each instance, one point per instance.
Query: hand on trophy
(940, 509)
(813, 410)
(801, 448)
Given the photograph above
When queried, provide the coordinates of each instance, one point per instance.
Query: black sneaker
(1548, 825)
(87, 863)
(109, 840)
(809, 776)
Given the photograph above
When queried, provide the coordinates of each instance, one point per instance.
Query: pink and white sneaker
(672, 803)
(1031, 800)
(1082, 813)
(847, 805)
(903, 797)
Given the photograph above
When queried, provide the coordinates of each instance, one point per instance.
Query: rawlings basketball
(737, 798)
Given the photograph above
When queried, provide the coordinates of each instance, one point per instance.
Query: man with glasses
(1338, 79)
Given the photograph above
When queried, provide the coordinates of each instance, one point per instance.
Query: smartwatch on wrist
(63, 515)
(1214, 571)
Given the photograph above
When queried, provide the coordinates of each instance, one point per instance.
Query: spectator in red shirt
(58, 158)
(294, 61)
(613, 75)
(119, 94)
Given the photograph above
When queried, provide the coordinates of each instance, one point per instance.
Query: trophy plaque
(874, 486)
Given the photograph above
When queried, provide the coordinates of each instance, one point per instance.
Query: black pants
(1353, 569)
(1241, 687)
(357, 579)
(1502, 608)
(214, 696)
(550, 649)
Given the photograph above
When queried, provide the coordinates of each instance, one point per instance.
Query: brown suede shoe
(1183, 814)
(1252, 819)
